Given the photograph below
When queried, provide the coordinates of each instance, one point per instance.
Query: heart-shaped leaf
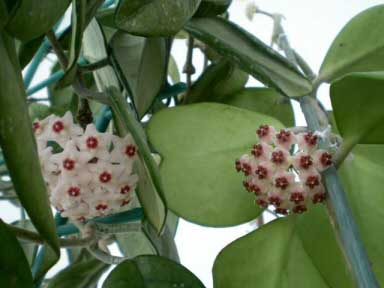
(199, 144)
(270, 257)
(154, 18)
(32, 18)
(14, 268)
(19, 149)
(359, 47)
(357, 101)
(141, 61)
(151, 271)
(251, 55)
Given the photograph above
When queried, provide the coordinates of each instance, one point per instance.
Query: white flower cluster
(289, 181)
(91, 174)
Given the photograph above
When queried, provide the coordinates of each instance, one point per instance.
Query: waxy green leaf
(151, 271)
(19, 149)
(14, 268)
(141, 61)
(359, 47)
(217, 82)
(154, 18)
(79, 275)
(250, 54)
(266, 101)
(79, 13)
(32, 18)
(270, 257)
(199, 144)
(357, 101)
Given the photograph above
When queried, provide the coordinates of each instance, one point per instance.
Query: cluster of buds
(87, 173)
(290, 181)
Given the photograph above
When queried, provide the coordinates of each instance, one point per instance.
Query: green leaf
(217, 82)
(26, 50)
(33, 18)
(19, 148)
(14, 268)
(151, 271)
(359, 47)
(154, 17)
(362, 178)
(79, 13)
(79, 275)
(29, 248)
(141, 61)
(209, 8)
(357, 101)
(39, 111)
(250, 54)
(266, 101)
(270, 257)
(149, 186)
(199, 144)
(173, 70)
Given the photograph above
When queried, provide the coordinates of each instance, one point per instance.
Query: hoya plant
(121, 148)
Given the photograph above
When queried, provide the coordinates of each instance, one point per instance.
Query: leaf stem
(189, 69)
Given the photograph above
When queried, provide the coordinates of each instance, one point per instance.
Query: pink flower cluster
(91, 174)
(290, 181)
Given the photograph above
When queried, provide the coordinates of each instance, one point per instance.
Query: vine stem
(338, 209)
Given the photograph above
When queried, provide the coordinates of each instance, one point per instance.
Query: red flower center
(36, 126)
(283, 136)
(262, 172)
(125, 202)
(275, 200)
(125, 190)
(310, 139)
(305, 161)
(58, 126)
(312, 181)
(69, 164)
(74, 191)
(105, 177)
(262, 203)
(130, 150)
(281, 182)
(326, 159)
(246, 169)
(92, 142)
(101, 207)
(299, 209)
(262, 131)
(250, 187)
(278, 157)
(297, 197)
(257, 150)
(318, 198)
(282, 211)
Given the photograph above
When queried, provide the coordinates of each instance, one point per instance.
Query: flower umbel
(290, 181)
(92, 174)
